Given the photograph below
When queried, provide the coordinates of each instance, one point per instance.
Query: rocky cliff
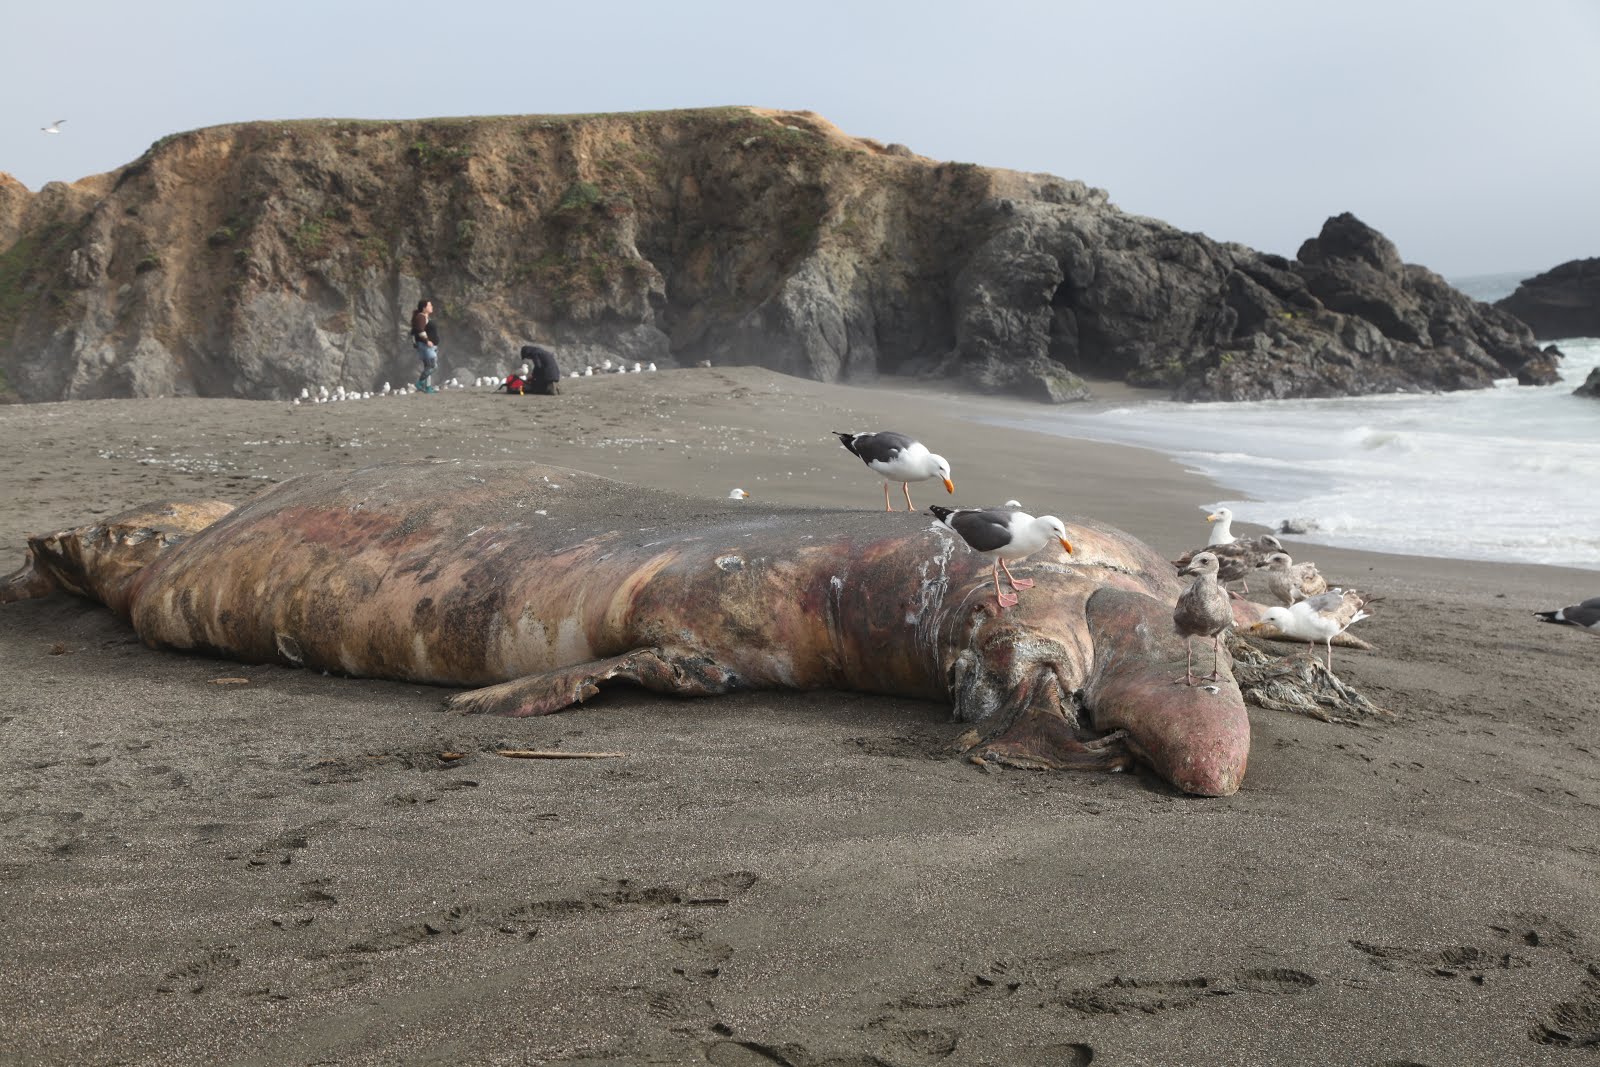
(1561, 302)
(251, 260)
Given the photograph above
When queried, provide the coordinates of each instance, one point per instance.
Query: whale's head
(1086, 675)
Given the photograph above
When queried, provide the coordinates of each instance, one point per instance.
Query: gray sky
(1467, 131)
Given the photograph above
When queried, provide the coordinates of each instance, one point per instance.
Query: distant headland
(250, 260)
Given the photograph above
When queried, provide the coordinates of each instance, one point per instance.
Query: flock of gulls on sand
(1306, 607)
(323, 395)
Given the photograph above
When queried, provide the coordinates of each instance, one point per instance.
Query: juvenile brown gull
(1289, 581)
(1202, 610)
(1236, 559)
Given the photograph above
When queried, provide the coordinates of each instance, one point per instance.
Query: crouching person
(544, 372)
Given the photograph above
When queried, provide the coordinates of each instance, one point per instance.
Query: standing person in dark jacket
(425, 339)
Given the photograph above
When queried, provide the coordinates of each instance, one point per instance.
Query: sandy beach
(210, 862)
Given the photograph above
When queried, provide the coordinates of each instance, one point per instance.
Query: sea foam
(1508, 473)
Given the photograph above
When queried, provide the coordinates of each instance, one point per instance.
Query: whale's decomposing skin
(535, 585)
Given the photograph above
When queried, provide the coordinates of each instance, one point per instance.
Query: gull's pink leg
(1188, 666)
(1007, 600)
(1216, 640)
(1016, 583)
(886, 506)
(907, 487)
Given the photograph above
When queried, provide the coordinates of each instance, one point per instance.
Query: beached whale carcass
(535, 585)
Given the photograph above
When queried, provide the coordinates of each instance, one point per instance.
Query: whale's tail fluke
(101, 561)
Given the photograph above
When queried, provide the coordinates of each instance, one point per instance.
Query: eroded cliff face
(254, 259)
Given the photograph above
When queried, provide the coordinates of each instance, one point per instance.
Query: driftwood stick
(555, 753)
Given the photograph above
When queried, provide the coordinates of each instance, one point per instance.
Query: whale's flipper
(652, 668)
(1197, 737)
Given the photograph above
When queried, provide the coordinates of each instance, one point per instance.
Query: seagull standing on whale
(1202, 610)
(897, 458)
(1003, 534)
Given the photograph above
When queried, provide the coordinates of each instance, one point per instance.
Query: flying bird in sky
(54, 127)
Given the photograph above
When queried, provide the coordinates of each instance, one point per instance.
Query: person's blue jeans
(429, 355)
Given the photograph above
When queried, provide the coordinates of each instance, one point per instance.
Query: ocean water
(1509, 473)
(1491, 287)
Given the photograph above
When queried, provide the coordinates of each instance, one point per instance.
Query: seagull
(1222, 532)
(899, 459)
(1318, 618)
(1236, 559)
(1003, 534)
(54, 127)
(1585, 615)
(1202, 611)
(1289, 581)
(737, 494)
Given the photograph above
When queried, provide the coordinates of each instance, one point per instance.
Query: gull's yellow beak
(1213, 517)
(1066, 545)
(949, 486)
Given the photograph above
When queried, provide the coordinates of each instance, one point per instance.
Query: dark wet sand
(206, 862)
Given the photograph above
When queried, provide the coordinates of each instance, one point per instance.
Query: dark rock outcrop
(1590, 386)
(1543, 369)
(1563, 302)
(253, 259)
